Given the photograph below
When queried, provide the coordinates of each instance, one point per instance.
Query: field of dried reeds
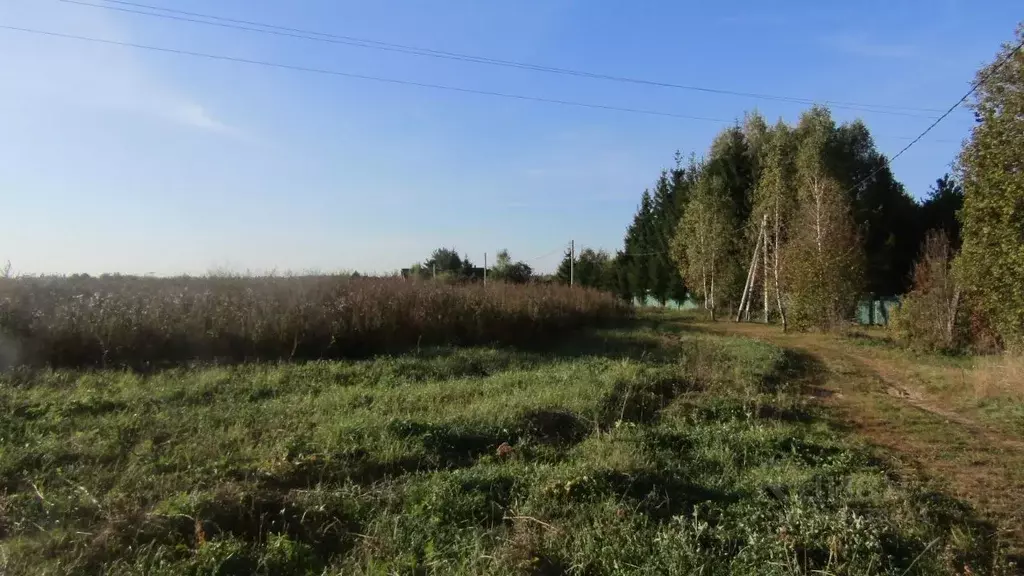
(141, 322)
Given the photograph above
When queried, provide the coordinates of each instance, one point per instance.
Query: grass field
(642, 449)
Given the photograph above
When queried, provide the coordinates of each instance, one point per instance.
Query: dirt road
(909, 407)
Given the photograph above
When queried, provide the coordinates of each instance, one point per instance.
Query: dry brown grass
(147, 322)
(997, 376)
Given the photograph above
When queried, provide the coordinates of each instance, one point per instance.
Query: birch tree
(702, 240)
(773, 204)
(823, 257)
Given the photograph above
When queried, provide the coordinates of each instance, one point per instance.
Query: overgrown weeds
(151, 322)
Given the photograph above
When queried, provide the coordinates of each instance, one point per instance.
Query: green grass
(633, 451)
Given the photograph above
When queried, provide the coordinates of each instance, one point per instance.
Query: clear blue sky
(116, 159)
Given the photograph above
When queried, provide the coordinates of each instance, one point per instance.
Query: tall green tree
(757, 134)
(886, 216)
(682, 180)
(505, 270)
(593, 268)
(823, 253)
(466, 272)
(991, 261)
(638, 246)
(701, 245)
(664, 276)
(644, 267)
(619, 276)
(774, 201)
(565, 271)
(444, 260)
(730, 161)
(939, 210)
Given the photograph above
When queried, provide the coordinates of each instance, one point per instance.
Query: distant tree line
(446, 264)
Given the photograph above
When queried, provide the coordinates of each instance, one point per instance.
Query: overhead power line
(381, 79)
(364, 76)
(977, 83)
(549, 254)
(264, 28)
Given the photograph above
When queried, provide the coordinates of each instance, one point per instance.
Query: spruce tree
(886, 216)
(663, 222)
(638, 247)
(681, 182)
(730, 162)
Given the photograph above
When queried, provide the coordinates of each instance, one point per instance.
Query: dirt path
(891, 400)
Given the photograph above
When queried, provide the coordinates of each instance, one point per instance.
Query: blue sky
(117, 159)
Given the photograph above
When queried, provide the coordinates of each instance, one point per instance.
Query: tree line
(446, 264)
(777, 190)
(798, 222)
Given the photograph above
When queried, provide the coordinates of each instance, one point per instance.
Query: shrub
(937, 315)
(147, 322)
(927, 318)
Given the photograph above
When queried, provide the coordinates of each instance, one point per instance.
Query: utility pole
(433, 271)
(764, 244)
(748, 288)
(485, 268)
(572, 261)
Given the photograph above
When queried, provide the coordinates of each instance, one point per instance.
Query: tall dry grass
(148, 322)
(999, 375)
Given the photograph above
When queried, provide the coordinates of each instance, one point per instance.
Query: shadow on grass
(799, 372)
(662, 496)
(642, 402)
(430, 447)
(638, 338)
(327, 531)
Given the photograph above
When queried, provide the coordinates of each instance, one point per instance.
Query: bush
(147, 322)
(927, 318)
(937, 316)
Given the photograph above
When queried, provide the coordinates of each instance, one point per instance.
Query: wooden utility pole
(748, 288)
(753, 281)
(777, 243)
(572, 262)
(764, 240)
(485, 268)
